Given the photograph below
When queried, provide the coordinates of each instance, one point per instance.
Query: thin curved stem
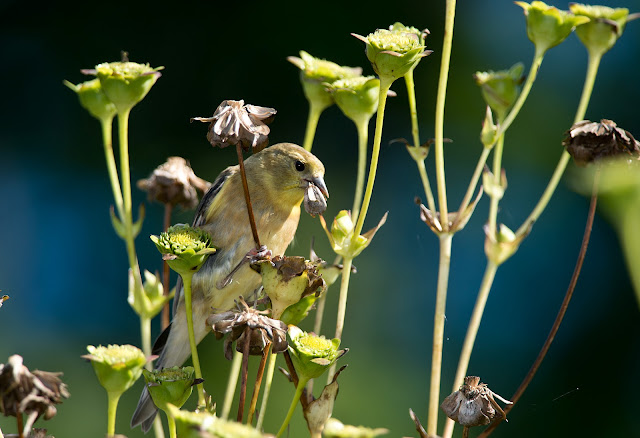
(422, 170)
(363, 138)
(232, 382)
(312, 124)
(563, 308)
(166, 274)
(271, 367)
(256, 389)
(438, 332)
(472, 185)
(186, 280)
(247, 197)
(244, 374)
(497, 173)
(342, 307)
(145, 331)
(292, 408)
(107, 141)
(112, 407)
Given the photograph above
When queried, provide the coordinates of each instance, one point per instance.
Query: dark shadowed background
(65, 269)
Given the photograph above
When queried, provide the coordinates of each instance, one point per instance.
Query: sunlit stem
(342, 307)
(472, 185)
(186, 280)
(107, 140)
(271, 366)
(438, 331)
(296, 398)
(172, 427)
(256, 388)
(497, 174)
(232, 383)
(363, 137)
(312, 123)
(112, 407)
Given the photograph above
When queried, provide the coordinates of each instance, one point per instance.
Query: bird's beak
(318, 181)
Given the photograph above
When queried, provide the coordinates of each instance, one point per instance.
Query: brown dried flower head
(174, 183)
(235, 123)
(473, 404)
(590, 141)
(33, 393)
(247, 324)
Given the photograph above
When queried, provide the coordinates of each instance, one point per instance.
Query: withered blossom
(247, 324)
(235, 123)
(456, 220)
(174, 183)
(318, 411)
(473, 404)
(33, 393)
(588, 141)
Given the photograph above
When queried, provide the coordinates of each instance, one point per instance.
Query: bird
(277, 177)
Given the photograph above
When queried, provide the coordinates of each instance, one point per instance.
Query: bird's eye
(299, 166)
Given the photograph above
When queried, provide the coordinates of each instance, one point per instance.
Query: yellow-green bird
(278, 178)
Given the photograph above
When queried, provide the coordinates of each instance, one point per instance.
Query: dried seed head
(314, 201)
(174, 183)
(235, 123)
(473, 404)
(588, 141)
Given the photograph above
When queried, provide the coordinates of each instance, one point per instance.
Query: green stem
(172, 427)
(363, 137)
(385, 84)
(271, 367)
(312, 123)
(296, 398)
(342, 307)
(497, 174)
(232, 383)
(411, 92)
(472, 185)
(145, 331)
(113, 398)
(587, 89)
(438, 332)
(186, 280)
(422, 169)
(107, 141)
(157, 427)
(470, 338)
(439, 122)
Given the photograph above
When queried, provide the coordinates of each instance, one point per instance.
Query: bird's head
(286, 171)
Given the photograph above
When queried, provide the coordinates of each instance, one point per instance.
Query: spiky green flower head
(93, 99)
(314, 72)
(500, 89)
(393, 53)
(170, 386)
(356, 97)
(311, 354)
(125, 83)
(199, 424)
(548, 26)
(116, 366)
(606, 26)
(184, 248)
(335, 429)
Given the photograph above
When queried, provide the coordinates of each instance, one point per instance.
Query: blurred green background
(65, 269)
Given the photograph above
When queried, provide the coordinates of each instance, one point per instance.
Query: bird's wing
(200, 217)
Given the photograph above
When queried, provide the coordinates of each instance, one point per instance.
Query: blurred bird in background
(278, 178)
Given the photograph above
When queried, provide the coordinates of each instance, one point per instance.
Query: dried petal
(473, 404)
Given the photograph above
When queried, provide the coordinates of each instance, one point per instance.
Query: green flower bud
(604, 29)
(152, 299)
(286, 280)
(295, 313)
(499, 248)
(335, 429)
(393, 53)
(311, 354)
(199, 424)
(116, 366)
(125, 83)
(548, 26)
(184, 248)
(170, 386)
(315, 72)
(342, 238)
(500, 89)
(489, 132)
(356, 97)
(93, 99)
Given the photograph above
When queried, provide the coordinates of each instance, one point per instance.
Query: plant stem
(312, 123)
(438, 332)
(19, 421)
(172, 427)
(244, 374)
(497, 174)
(112, 407)
(563, 308)
(450, 14)
(166, 312)
(256, 389)
(299, 388)
(267, 389)
(186, 280)
(422, 169)
(472, 185)
(107, 142)
(363, 138)
(145, 331)
(470, 338)
(231, 384)
(587, 89)
(247, 198)
(342, 307)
